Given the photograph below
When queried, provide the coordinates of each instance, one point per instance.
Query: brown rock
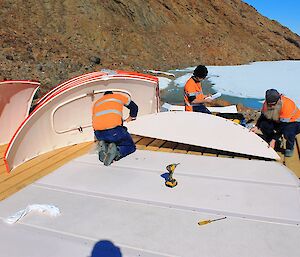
(134, 34)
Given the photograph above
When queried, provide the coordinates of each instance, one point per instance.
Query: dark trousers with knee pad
(274, 130)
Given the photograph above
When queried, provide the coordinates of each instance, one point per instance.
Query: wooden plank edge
(39, 173)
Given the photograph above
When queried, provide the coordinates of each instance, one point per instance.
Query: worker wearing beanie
(194, 98)
(279, 116)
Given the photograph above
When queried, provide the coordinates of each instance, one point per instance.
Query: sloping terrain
(54, 40)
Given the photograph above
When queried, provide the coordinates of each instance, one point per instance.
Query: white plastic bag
(41, 208)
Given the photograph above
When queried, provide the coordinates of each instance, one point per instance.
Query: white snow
(183, 79)
(163, 82)
(161, 72)
(252, 80)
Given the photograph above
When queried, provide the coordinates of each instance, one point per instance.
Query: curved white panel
(78, 80)
(65, 116)
(204, 130)
(15, 101)
(75, 118)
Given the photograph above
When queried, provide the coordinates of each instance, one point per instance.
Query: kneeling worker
(279, 116)
(114, 140)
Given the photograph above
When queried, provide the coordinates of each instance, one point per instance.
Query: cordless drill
(171, 182)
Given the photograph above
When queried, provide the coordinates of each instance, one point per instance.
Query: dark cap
(272, 96)
(200, 71)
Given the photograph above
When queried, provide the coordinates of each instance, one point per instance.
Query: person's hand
(254, 129)
(129, 119)
(207, 99)
(272, 143)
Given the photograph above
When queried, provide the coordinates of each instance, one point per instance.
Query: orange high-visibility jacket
(289, 111)
(192, 88)
(108, 111)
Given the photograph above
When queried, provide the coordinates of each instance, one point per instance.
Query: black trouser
(200, 108)
(273, 130)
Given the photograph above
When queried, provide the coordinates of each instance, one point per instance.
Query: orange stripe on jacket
(192, 88)
(108, 111)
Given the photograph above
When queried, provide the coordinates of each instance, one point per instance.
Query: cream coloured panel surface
(37, 135)
(15, 101)
(204, 130)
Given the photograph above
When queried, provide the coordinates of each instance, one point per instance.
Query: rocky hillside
(54, 40)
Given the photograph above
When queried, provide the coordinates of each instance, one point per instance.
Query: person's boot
(118, 155)
(111, 154)
(289, 152)
(102, 150)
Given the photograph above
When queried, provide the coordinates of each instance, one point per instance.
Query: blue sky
(286, 12)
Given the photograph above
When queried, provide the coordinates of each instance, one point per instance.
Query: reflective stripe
(108, 111)
(289, 119)
(110, 100)
(193, 93)
(128, 102)
(285, 119)
(292, 115)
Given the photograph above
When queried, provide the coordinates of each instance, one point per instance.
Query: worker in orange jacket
(279, 116)
(114, 140)
(194, 99)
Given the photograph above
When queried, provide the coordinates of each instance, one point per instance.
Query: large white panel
(202, 129)
(235, 169)
(242, 199)
(128, 204)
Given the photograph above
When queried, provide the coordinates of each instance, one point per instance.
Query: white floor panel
(129, 205)
(138, 228)
(226, 168)
(234, 197)
(27, 241)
